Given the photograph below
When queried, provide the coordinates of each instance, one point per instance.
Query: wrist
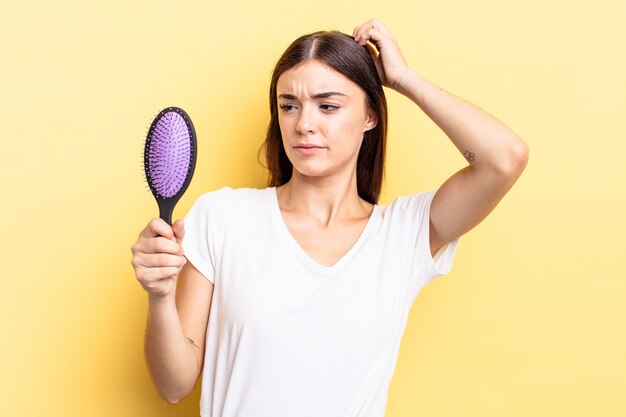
(404, 81)
(415, 87)
(160, 301)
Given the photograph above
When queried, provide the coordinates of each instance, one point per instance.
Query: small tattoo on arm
(469, 156)
(192, 342)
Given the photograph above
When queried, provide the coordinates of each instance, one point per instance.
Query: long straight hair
(343, 54)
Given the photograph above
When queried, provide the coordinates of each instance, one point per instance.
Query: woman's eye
(287, 107)
(329, 108)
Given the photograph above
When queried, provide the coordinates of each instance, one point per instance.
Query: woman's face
(322, 117)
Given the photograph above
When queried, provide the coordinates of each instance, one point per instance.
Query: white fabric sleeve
(198, 243)
(427, 267)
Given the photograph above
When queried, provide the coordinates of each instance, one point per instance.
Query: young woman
(296, 296)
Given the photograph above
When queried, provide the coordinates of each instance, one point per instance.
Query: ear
(371, 121)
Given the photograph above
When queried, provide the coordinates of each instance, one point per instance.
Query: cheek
(353, 128)
(284, 126)
(281, 121)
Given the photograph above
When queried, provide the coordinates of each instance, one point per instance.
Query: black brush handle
(166, 208)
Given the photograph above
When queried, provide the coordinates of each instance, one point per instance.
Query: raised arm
(495, 154)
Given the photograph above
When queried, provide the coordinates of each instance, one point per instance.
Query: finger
(373, 51)
(159, 260)
(165, 272)
(159, 245)
(377, 61)
(357, 28)
(157, 227)
(150, 277)
(363, 32)
(372, 35)
(376, 24)
(369, 24)
(358, 31)
(376, 37)
(179, 230)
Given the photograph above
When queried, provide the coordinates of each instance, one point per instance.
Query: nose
(306, 121)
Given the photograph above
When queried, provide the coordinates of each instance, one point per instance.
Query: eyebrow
(288, 96)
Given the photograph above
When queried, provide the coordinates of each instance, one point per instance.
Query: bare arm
(175, 335)
(179, 300)
(495, 154)
(496, 158)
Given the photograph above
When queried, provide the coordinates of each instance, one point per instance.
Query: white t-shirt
(289, 337)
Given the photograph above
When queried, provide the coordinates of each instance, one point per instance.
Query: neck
(326, 199)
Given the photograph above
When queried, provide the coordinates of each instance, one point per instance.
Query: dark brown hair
(343, 54)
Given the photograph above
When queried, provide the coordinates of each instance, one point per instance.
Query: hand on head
(385, 50)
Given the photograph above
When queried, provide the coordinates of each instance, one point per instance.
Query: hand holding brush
(169, 162)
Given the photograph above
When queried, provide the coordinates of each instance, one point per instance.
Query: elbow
(515, 159)
(171, 397)
(172, 400)
(519, 155)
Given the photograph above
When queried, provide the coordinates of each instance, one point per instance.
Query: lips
(308, 149)
(308, 146)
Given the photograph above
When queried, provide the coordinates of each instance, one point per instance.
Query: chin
(321, 166)
(310, 171)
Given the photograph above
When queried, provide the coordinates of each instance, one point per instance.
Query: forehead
(315, 77)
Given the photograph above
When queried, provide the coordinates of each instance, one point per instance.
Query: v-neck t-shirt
(288, 336)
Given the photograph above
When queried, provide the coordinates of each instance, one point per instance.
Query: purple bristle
(169, 154)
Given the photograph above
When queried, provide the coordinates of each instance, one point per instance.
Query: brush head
(170, 155)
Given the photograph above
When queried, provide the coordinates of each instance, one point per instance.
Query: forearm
(485, 142)
(170, 356)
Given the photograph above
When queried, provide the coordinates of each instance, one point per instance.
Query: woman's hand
(383, 46)
(158, 257)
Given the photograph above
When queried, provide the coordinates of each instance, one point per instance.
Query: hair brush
(169, 158)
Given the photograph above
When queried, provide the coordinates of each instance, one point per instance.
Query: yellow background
(529, 323)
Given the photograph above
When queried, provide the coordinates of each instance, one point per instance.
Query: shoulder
(410, 205)
(228, 195)
(232, 199)
(228, 211)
